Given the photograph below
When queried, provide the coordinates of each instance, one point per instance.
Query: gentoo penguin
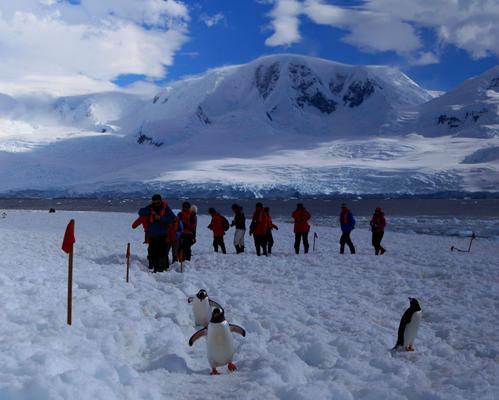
(201, 307)
(409, 325)
(219, 342)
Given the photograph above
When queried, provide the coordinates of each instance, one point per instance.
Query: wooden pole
(127, 261)
(70, 287)
(313, 247)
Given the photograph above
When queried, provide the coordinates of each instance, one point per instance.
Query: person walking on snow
(160, 218)
(174, 233)
(217, 226)
(301, 217)
(347, 223)
(187, 238)
(268, 237)
(239, 222)
(258, 228)
(378, 224)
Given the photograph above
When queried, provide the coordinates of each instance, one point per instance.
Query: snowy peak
(471, 109)
(303, 95)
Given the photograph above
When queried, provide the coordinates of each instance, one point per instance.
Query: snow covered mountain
(295, 94)
(470, 110)
(279, 125)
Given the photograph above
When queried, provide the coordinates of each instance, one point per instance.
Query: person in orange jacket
(269, 237)
(217, 226)
(258, 228)
(301, 217)
(187, 238)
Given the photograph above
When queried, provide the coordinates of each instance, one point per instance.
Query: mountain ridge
(283, 123)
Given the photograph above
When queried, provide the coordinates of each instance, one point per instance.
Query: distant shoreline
(407, 207)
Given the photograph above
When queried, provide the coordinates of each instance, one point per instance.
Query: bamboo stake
(70, 288)
(127, 262)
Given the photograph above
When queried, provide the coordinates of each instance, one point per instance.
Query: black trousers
(157, 254)
(270, 242)
(185, 244)
(299, 236)
(260, 244)
(345, 239)
(376, 240)
(219, 241)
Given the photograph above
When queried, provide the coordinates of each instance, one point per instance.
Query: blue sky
(241, 36)
(80, 46)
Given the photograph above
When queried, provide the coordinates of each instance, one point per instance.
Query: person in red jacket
(258, 228)
(217, 226)
(378, 224)
(301, 217)
(269, 237)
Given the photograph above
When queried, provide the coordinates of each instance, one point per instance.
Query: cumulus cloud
(64, 49)
(393, 25)
(285, 23)
(212, 20)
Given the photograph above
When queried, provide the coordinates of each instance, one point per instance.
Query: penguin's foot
(214, 372)
(231, 367)
(409, 348)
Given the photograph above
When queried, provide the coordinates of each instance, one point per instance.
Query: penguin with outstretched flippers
(409, 325)
(201, 307)
(219, 342)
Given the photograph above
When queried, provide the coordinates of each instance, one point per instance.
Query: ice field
(319, 326)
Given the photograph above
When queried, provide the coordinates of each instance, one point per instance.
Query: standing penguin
(201, 307)
(409, 325)
(219, 342)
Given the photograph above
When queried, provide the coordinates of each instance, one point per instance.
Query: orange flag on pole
(69, 237)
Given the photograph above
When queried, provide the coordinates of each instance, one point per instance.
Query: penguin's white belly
(202, 312)
(220, 345)
(411, 329)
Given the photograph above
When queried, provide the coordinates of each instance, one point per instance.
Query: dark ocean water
(454, 217)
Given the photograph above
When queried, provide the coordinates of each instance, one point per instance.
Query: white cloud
(285, 22)
(393, 25)
(212, 20)
(66, 49)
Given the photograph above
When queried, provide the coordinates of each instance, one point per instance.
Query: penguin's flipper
(237, 329)
(214, 304)
(190, 299)
(197, 335)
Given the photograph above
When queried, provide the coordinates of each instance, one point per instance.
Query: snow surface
(319, 326)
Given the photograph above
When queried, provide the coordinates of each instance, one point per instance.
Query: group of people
(165, 231)
(347, 224)
(260, 228)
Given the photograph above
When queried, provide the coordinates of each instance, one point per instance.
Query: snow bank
(318, 326)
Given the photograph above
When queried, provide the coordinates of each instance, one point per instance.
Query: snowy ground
(318, 326)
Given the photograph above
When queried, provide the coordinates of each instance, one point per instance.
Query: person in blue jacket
(347, 223)
(160, 218)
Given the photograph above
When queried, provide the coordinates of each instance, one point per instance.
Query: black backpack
(225, 223)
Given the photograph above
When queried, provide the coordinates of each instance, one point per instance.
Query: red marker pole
(67, 247)
(70, 288)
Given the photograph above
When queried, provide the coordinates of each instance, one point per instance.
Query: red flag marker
(67, 247)
(69, 237)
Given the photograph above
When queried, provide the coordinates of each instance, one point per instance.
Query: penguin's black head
(202, 294)
(217, 316)
(414, 304)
